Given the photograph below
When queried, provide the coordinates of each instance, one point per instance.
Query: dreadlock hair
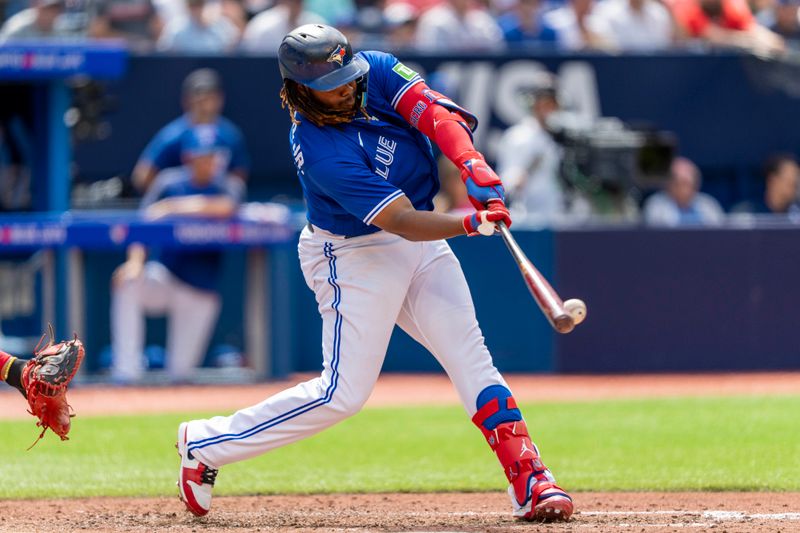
(298, 98)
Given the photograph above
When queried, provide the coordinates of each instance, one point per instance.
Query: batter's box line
(712, 515)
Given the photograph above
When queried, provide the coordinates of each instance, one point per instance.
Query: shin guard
(501, 423)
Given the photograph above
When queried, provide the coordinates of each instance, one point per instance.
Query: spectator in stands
(135, 21)
(575, 26)
(681, 202)
(199, 32)
(401, 20)
(529, 159)
(635, 25)
(454, 25)
(36, 22)
(202, 102)
(781, 175)
(725, 23)
(177, 283)
(782, 17)
(264, 33)
(340, 10)
(523, 24)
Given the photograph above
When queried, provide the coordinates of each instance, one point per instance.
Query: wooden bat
(563, 317)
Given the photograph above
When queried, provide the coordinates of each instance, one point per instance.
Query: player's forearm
(424, 225)
(429, 226)
(193, 206)
(447, 128)
(143, 175)
(137, 253)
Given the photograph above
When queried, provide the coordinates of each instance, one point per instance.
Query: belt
(311, 229)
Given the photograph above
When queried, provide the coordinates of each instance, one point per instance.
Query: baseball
(576, 309)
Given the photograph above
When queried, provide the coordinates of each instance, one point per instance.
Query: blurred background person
(523, 25)
(783, 18)
(203, 100)
(178, 284)
(575, 26)
(529, 159)
(264, 32)
(635, 25)
(458, 25)
(781, 177)
(681, 202)
(200, 32)
(36, 22)
(135, 21)
(401, 20)
(724, 23)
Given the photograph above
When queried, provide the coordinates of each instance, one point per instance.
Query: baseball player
(43, 381)
(203, 100)
(375, 256)
(177, 283)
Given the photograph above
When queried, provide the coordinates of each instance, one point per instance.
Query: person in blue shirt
(523, 25)
(203, 101)
(179, 284)
(375, 256)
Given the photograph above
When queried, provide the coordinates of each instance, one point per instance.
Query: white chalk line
(713, 515)
(719, 516)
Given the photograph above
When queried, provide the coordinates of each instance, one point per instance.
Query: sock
(14, 376)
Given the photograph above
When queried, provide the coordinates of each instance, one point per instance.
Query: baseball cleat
(552, 503)
(195, 479)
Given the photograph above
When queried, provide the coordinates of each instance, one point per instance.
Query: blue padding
(504, 414)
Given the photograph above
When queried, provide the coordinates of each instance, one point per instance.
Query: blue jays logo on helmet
(337, 56)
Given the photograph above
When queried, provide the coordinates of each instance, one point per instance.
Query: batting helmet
(320, 57)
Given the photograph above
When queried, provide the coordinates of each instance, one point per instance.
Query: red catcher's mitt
(45, 379)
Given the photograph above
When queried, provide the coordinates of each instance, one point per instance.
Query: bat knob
(563, 323)
(576, 309)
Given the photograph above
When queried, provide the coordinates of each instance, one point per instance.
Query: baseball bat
(544, 294)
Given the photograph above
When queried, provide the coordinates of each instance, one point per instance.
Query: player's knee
(495, 406)
(346, 406)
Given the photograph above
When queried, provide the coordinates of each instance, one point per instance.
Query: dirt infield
(471, 512)
(475, 512)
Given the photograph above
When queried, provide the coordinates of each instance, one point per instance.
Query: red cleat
(553, 504)
(195, 479)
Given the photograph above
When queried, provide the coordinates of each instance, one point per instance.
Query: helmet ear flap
(361, 90)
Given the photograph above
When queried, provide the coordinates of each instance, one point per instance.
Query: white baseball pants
(363, 286)
(191, 317)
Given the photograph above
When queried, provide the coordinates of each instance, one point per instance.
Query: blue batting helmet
(320, 57)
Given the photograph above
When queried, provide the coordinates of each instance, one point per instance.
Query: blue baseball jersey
(351, 172)
(200, 269)
(164, 150)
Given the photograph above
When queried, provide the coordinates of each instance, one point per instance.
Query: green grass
(672, 444)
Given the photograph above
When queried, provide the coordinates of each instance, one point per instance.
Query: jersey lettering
(298, 156)
(384, 156)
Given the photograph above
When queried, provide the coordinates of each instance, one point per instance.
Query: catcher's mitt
(45, 379)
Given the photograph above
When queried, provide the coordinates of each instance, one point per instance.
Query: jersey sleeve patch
(404, 72)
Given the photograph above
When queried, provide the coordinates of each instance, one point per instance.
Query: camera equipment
(606, 155)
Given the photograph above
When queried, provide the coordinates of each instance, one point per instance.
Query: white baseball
(576, 309)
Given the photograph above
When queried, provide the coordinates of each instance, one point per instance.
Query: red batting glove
(483, 222)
